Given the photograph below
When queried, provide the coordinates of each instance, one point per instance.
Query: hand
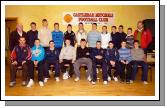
(60, 61)
(23, 62)
(126, 62)
(73, 61)
(112, 63)
(100, 57)
(123, 61)
(15, 62)
(97, 57)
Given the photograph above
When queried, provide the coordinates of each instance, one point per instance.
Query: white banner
(101, 18)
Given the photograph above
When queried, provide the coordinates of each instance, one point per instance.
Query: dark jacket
(31, 36)
(14, 39)
(117, 38)
(96, 52)
(112, 54)
(83, 53)
(70, 36)
(51, 55)
(21, 53)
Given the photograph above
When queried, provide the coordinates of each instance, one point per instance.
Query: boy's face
(67, 42)
(120, 29)
(56, 27)
(136, 45)
(98, 45)
(83, 43)
(123, 44)
(45, 23)
(51, 44)
(129, 32)
(80, 26)
(22, 41)
(104, 29)
(37, 42)
(33, 27)
(94, 27)
(139, 25)
(111, 45)
(113, 29)
(69, 28)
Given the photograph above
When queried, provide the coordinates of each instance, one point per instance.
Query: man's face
(67, 42)
(22, 41)
(136, 45)
(104, 29)
(139, 25)
(45, 23)
(98, 45)
(19, 27)
(111, 45)
(94, 27)
(83, 43)
(69, 28)
(113, 29)
(80, 26)
(51, 44)
(129, 32)
(123, 44)
(33, 27)
(37, 42)
(56, 27)
(120, 29)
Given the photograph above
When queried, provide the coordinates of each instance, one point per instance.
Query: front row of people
(124, 61)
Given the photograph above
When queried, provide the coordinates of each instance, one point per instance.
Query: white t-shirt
(81, 35)
(105, 38)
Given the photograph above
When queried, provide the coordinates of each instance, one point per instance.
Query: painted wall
(125, 15)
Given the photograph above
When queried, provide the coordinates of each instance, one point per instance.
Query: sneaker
(46, 80)
(145, 82)
(127, 82)
(65, 76)
(89, 78)
(105, 82)
(93, 82)
(109, 78)
(57, 79)
(131, 81)
(115, 79)
(30, 83)
(41, 83)
(11, 84)
(23, 83)
(76, 79)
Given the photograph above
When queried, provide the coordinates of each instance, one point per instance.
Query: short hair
(124, 40)
(44, 20)
(82, 40)
(67, 39)
(69, 25)
(130, 28)
(111, 42)
(114, 27)
(33, 23)
(81, 23)
(104, 26)
(140, 22)
(121, 26)
(37, 39)
(21, 37)
(94, 24)
(98, 42)
(51, 41)
(56, 24)
(136, 41)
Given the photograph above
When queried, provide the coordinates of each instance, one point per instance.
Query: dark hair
(51, 41)
(56, 24)
(67, 39)
(121, 26)
(124, 40)
(140, 22)
(44, 20)
(33, 23)
(111, 42)
(136, 41)
(94, 24)
(130, 28)
(81, 23)
(98, 42)
(114, 27)
(105, 27)
(37, 39)
(21, 37)
(83, 40)
(69, 25)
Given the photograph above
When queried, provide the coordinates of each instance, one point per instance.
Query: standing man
(32, 35)
(105, 37)
(121, 35)
(81, 34)
(20, 55)
(143, 35)
(15, 35)
(114, 37)
(44, 34)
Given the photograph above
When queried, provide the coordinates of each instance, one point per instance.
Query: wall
(125, 15)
